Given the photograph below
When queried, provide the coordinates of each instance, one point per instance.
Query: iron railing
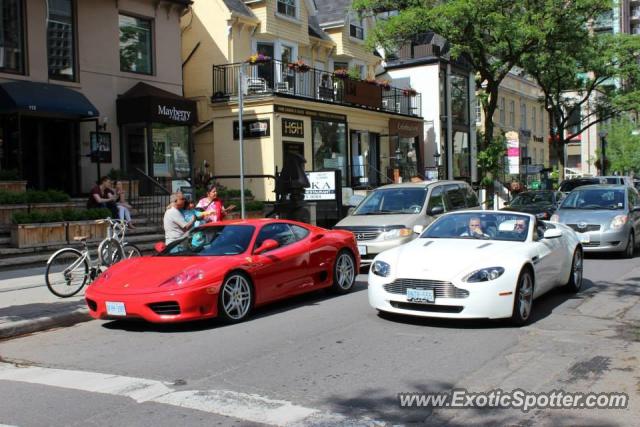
(275, 77)
(148, 196)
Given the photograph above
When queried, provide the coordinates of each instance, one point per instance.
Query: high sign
(322, 186)
(292, 127)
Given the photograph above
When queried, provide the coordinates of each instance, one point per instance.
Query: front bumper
(605, 241)
(483, 301)
(374, 247)
(194, 303)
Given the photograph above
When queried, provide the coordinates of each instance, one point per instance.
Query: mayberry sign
(173, 113)
(147, 104)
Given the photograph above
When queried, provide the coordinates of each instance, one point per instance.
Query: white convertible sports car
(477, 264)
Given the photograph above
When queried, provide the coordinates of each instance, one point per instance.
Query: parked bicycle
(69, 269)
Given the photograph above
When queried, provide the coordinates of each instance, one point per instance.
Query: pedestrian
(189, 211)
(213, 205)
(102, 196)
(124, 208)
(175, 226)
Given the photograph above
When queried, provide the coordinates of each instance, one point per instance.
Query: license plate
(116, 309)
(584, 238)
(421, 295)
(362, 249)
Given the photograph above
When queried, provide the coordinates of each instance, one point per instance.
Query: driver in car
(474, 228)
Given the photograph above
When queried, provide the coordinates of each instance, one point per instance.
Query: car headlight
(381, 268)
(396, 233)
(184, 277)
(619, 221)
(555, 218)
(484, 275)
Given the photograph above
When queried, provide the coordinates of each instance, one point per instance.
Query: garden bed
(34, 235)
(13, 186)
(95, 232)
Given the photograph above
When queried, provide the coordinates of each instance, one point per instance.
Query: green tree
(586, 78)
(493, 35)
(623, 146)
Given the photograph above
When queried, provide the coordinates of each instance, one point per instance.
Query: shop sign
(252, 129)
(173, 113)
(405, 128)
(292, 127)
(513, 152)
(322, 186)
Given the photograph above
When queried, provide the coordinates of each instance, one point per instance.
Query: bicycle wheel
(67, 272)
(110, 252)
(131, 251)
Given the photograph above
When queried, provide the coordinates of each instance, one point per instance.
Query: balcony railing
(287, 79)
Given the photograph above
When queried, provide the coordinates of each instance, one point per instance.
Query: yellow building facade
(520, 110)
(296, 94)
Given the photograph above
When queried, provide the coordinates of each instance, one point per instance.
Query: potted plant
(258, 58)
(341, 73)
(10, 181)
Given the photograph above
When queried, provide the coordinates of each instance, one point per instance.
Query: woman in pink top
(213, 205)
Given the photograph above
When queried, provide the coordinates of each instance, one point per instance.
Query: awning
(45, 99)
(146, 103)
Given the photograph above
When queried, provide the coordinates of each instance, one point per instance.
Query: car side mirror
(159, 247)
(418, 229)
(267, 245)
(436, 210)
(552, 233)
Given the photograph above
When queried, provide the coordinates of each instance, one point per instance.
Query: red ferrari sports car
(225, 269)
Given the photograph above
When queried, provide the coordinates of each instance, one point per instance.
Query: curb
(23, 327)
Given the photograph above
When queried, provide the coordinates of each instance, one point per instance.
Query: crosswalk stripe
(248, 407)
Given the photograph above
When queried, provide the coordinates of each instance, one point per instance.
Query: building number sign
(292, 127)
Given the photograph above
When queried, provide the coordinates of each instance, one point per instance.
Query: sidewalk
(27, 306)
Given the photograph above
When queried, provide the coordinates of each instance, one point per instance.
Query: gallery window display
(330, 146)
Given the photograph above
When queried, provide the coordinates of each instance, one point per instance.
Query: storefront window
(170, 151)
(365, 159)
(61, 40)
(11, 36)
(459, 99)
(330, 146)
(135, 45)
(461, 155)
(407, 158)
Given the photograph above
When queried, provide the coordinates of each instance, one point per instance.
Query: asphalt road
(315, 360)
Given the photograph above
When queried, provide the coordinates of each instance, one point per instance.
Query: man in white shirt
(175, 226)
(474, 229)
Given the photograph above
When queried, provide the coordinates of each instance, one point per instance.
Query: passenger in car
(474, 228)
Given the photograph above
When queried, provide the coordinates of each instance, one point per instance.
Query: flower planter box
(95, 231)
(135, 188)
(51, 207)
(34, 235)
(13, 186)
(7, 211)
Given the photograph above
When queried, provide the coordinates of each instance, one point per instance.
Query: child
(190, 211)
(124, 208)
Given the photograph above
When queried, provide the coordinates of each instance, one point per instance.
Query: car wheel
(523, 299)
(235, 298)
(344, 272)
(575, 278)
(631, 246)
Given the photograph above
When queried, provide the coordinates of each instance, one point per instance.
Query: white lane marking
(248, 407)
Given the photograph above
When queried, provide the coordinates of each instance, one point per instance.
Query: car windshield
(533, 198)
(568, 186)
(393, 201)
(484, 226)
(594, 198)
(212, 241)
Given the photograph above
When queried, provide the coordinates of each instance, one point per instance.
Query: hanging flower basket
(341, 73)
(409, 92)
(298, 66)
(384, 84)
(258, 58)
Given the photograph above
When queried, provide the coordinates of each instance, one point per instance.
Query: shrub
(33, 196)
(254, 205)
(9, 175)
(64, 215)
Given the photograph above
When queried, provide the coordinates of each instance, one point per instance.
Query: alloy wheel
(577, 269)
(525, 295)
(236, 297)
(345, 271)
